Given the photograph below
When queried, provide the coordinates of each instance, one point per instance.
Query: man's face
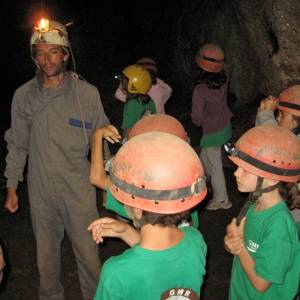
(50, 59)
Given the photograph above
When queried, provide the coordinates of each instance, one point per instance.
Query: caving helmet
(289, 100)
(160, 123)
(157, 172)
(139, 79)
(268, 151)
(210, 58)
(50, 32)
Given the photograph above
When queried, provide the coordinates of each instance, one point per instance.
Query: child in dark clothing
(210, 111)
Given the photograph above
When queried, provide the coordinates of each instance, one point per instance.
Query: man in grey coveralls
(52, 119)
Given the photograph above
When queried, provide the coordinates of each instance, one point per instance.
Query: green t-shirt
(114, 205)
(141, 274)
(134, 109)
(272, 240)
(217, 138)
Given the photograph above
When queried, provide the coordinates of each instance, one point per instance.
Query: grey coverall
(46, 126)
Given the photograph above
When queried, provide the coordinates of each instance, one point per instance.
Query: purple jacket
(209, 108)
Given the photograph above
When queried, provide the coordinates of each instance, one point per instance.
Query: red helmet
(157, 172)
(268, 151)
(148, 63)
(210, 58)
(289, 100)
(161, 123)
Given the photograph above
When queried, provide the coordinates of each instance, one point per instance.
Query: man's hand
(12, 200)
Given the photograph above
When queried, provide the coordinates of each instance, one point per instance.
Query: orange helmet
(157, 172)
(268, 151)
(161, 123)
(289, 100)
(210, 58)
(148, 63)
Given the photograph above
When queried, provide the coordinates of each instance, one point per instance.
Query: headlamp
(43, 26)
(230, 149)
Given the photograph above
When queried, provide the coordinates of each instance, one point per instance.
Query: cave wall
(260, 40)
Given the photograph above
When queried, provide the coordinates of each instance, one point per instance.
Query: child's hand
(108, 132)
(107, 227)
(269, 104)
(233, 245)
(234, 230)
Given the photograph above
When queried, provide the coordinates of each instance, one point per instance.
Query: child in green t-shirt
(159, 177)
(135, 83)
(98, 175)
(286, 108)
(265, 244)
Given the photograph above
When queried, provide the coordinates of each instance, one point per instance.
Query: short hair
(213, 80)
(163, 220)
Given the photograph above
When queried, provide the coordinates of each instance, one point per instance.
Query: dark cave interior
(260, 40)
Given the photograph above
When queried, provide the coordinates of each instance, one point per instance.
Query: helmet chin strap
(254, 196)
(259, 190)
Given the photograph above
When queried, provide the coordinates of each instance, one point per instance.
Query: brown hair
(163, 219)
(291, 194)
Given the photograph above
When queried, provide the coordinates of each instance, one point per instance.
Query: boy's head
(157, 173)
(289, 109)
(136, 79)
(267, 152)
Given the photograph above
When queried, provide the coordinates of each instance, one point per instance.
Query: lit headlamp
(43, 26)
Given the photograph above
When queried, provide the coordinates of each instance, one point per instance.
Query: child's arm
(248, 264)
(120, 94)
(234, 243)
(165, 89)
(108, 227)
(265, 112)
(98, 175)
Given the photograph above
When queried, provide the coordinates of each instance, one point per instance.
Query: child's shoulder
(193, 234)
(279, 218)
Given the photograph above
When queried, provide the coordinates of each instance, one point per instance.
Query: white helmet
(50, 32)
